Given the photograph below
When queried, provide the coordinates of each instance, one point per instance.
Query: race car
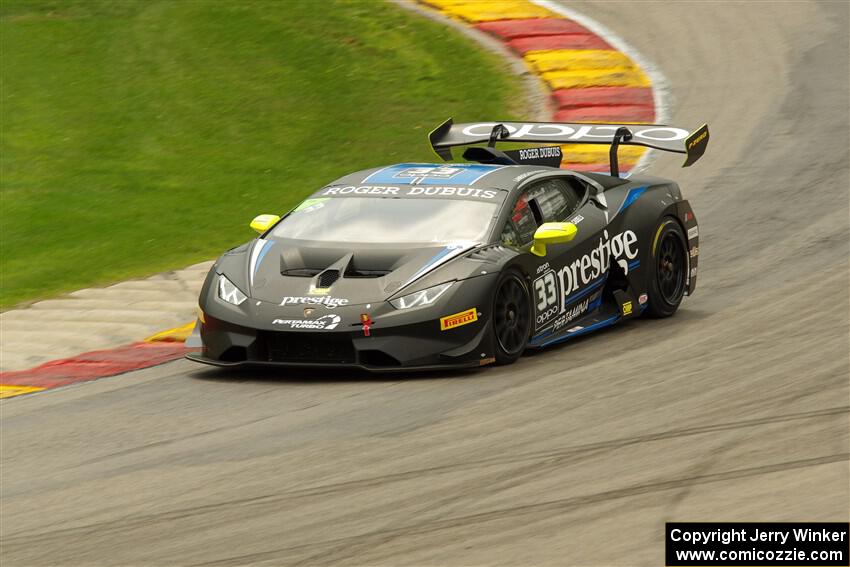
(428, 265)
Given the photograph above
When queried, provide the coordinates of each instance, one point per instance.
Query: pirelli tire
(512, 317)
(669, 268)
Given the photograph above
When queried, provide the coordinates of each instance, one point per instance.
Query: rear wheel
(511, 318)
(668, 275)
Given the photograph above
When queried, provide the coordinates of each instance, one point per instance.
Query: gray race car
(422, 266)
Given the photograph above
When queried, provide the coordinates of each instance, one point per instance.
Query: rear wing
(667, 138)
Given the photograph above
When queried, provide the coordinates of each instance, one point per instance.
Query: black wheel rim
(511, 316)
(671, 268)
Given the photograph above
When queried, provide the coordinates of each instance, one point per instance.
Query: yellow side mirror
(262, 223)
(552, 233)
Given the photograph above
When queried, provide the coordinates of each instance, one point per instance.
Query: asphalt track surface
(735, 409)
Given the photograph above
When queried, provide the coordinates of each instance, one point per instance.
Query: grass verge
(143, 135)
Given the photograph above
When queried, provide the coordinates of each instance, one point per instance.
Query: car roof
(452, 174)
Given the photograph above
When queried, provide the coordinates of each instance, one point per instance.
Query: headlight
(420, 298)
(228, 292)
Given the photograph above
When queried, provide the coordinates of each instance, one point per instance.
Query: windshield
(388, 220)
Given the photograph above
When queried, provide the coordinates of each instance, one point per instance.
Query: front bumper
(259, 333)
(389, 349)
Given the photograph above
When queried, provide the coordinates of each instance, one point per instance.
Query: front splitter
(196, 357)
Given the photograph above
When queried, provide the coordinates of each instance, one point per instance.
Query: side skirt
(609, 314)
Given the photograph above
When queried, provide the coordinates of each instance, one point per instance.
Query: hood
(277, 270)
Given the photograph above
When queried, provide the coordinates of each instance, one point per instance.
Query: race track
(737, 408)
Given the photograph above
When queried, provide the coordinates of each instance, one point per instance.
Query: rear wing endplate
(667, 138)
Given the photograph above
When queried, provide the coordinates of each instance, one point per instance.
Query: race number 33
(546, 292)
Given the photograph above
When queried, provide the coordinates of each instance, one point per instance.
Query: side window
(576, 191)
(521, 225)
(556, 199)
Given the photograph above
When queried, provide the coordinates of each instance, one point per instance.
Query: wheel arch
(643, 216)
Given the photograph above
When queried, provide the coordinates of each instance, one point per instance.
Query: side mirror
(552, 233)
(262, 223)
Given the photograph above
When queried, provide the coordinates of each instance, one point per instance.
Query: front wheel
(511, 318)
(668, 276)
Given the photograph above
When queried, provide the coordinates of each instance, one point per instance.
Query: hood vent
(327, 278)
(492, 254)
(349, 273)
(300, 272)
(332, 273)
(353, 273)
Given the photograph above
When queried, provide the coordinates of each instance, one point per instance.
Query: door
(568, 282)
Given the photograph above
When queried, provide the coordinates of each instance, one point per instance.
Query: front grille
(308, 347)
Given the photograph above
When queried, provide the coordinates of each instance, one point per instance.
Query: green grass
(140, 136)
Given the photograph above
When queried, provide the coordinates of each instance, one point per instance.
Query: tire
(512, 317)
(669, 271)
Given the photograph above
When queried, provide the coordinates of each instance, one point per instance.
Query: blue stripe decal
(585, 291)
(633, 196)
(430, 262)
(266, 248)
(380, 171)
(591, 306)
(599, 325)
(542, 335)
(432, 173)
(634, 264)
(447, 254)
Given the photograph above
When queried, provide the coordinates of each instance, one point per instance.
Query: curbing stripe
(620, 114)
(583, 153)
(8, 390)
(578, 60)
(601, 167)
(476, 12)
(603, 96)
(177, 334)
(596, 78)
(443, 4)
(525, 45)
(513, 29)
